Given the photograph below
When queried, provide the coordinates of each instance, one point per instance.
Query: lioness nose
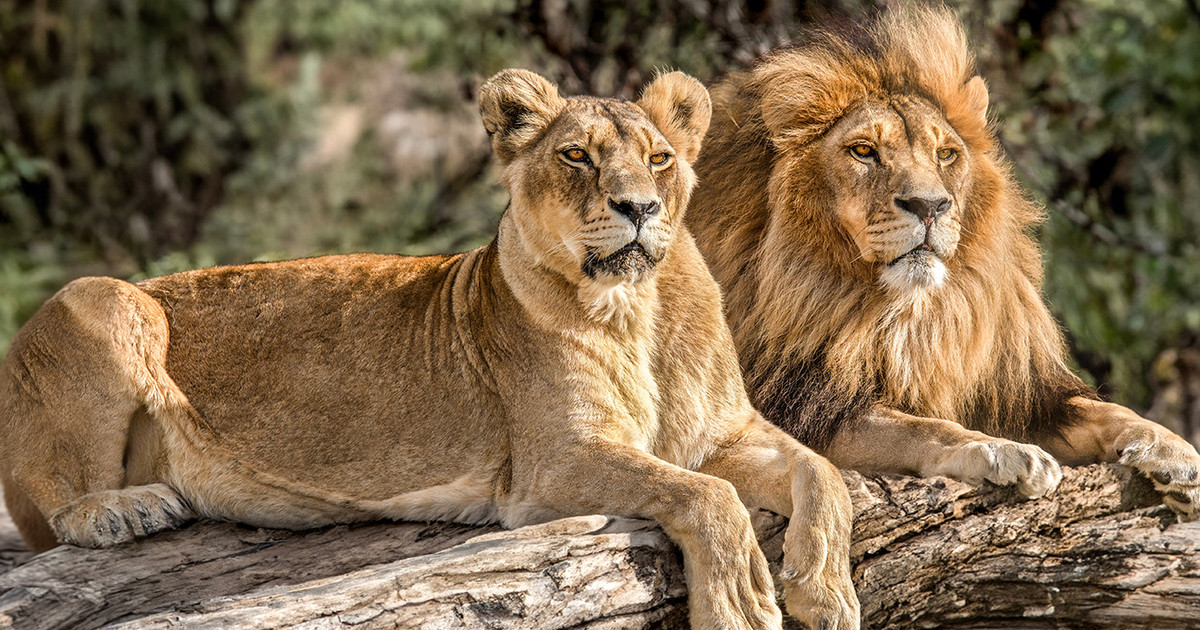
(636, 211)
(925, 208)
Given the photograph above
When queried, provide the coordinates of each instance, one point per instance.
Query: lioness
(881, 281)
(578, 364)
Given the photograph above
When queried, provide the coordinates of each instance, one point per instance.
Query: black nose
(637, 212)
(925, 208)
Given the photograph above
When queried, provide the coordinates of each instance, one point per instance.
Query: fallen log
(1099, 553)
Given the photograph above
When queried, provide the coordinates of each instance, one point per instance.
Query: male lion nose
(927, 209)
(637, 212)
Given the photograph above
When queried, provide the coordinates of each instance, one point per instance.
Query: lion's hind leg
(29, 520)
(75, 377)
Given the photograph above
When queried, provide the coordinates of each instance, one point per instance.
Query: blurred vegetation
(139, 138)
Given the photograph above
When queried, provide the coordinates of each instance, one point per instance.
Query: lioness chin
(578, 364)
(881, 281)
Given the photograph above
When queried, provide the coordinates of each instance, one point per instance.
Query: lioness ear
(681, 109)
(516, 105)
(977, 96)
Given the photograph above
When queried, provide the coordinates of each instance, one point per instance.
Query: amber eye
(863, 151)
(947, 155)
(575, 154)
(658, 159)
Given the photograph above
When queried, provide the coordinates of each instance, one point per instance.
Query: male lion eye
(658, 159)
(575, 155)
(863, 151)
(947, 155)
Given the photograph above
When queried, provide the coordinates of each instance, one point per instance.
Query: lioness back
(317, 368)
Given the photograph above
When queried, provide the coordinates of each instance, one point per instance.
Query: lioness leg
(729, 584)
(69, 388)
(1107, 432)
(771, 470)
(888, 441)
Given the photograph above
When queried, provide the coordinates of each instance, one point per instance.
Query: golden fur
(578, 364)
(878, 263)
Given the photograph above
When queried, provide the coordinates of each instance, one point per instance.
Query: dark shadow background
(141, 137)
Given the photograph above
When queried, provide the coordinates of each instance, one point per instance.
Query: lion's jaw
(612, 248)
(914, 271)
(901, 170)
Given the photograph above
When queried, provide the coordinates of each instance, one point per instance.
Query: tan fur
(578, 364)
(855, 338)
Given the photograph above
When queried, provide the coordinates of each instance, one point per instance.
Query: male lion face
(598, 185)
(900, 172)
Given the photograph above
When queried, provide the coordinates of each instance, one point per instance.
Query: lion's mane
(821, 341)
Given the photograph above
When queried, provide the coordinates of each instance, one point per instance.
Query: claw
(1172, 464)
(1178, 496)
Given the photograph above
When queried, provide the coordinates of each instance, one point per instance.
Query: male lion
(578, 364)
(881, 281)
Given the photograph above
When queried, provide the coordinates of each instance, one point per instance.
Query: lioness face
(598, 185)
(607, 181)
(900, 171)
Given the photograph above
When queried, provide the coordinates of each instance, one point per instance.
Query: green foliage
(1104, 126)
(133, 109)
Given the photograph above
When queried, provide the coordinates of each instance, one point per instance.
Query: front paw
(731, 589)
(824, 605)
(1172, 464)
(1004, 462)
(818, 590)
(825, 599)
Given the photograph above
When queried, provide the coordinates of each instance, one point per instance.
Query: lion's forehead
(619, 138)
(901, 120)
(609, 127)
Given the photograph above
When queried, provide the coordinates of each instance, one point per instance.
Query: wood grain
(1098, 553)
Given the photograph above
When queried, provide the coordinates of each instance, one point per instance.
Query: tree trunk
(928, 553)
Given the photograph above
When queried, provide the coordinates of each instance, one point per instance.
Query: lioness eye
(947, 155)
(863, 151)
(575, 154)
(658, 159)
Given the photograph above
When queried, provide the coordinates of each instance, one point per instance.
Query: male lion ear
(517, 105)
(977, 96)
(681, 109)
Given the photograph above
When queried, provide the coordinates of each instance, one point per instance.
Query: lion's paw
(734, 592)
(1004, 463)
(827, 602)
(111, 517)
(816, 583)
(1172, 464)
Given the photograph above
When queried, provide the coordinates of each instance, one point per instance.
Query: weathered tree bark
(928, 553)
